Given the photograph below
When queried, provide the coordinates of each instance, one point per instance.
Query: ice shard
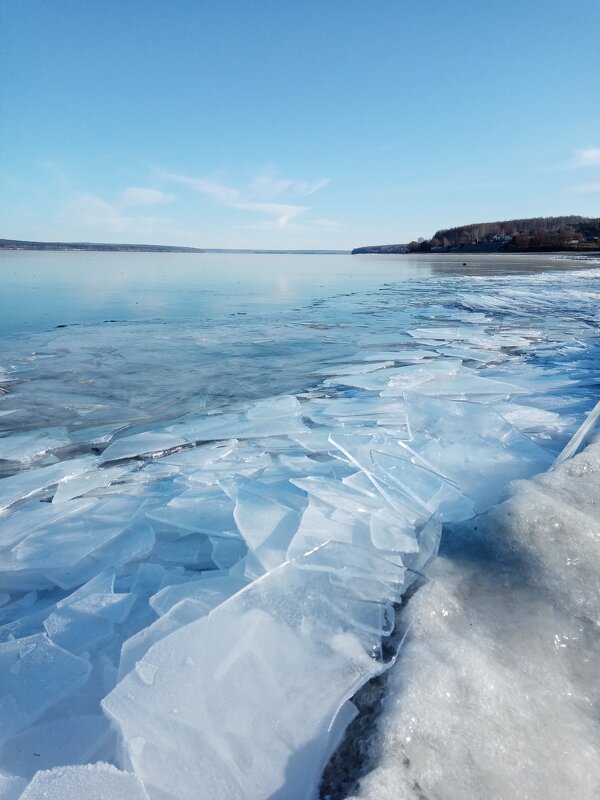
(234, 684)
(36, 675)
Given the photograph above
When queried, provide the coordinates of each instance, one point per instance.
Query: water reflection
(42, 290)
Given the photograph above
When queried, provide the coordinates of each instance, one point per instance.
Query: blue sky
(255, 123)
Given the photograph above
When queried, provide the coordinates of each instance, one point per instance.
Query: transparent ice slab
(211, 591)
(207, 698)
(27, 445)
(36, 675)
(68, 549)
(79, 485)
(197, 511)
(472, 446)
(141, 444)
(86, 619)
(25, 484)
(271, 417)
(581, 436)
(11, 786)
(53, 743)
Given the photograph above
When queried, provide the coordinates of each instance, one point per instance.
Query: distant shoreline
(99, 247)
(567, 234)
(574, 255)
(401, 250)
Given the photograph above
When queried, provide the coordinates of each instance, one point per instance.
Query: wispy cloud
(118, 217)
(263, 196)
(87, 217)
(224, 195)
(143, 196)
(279, 215)
(267, 185)
(587, 157)
(586, 188)
(264, 203)
(583, 158)
(328, 224)
(93, 212)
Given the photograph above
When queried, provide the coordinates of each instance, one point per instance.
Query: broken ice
(203, 545)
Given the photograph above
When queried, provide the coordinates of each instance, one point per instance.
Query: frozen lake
(219, 475)
(41, 290)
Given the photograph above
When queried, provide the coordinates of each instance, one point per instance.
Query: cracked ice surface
(206, 529)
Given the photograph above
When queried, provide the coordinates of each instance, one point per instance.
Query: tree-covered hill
(537, 234)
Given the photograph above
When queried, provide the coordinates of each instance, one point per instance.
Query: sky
(293, 124)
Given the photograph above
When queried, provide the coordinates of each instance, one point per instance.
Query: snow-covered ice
(208, 530)
(92, 782)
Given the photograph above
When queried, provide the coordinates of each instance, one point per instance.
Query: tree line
(519, 235)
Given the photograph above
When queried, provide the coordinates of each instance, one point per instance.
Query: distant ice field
(220, 475)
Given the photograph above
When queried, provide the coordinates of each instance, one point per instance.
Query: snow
(207, 531)
(93, 781)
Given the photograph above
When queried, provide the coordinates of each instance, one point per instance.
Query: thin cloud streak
(587, 157)
(143, 196)
(265, 185)
(583, 158)
(221, 194)
(95, 218)
(266, 204)
(328, 224)
(282, 214)
(259, 198)
(94, 212)
(586, 188)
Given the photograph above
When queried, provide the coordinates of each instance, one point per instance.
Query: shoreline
(18, 245)
(566, 254)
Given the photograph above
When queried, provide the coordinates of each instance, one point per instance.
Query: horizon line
(27, 244)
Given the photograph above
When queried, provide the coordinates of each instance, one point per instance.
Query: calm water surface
(39, 291)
